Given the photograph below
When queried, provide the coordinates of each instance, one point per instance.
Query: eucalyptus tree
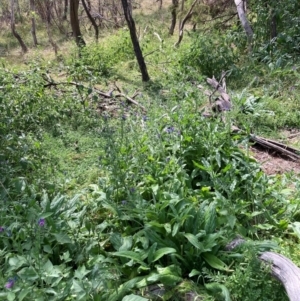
(74, 20)
(13, 27)
(135, 41)
(33, 27)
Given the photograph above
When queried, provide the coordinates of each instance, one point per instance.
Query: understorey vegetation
(116, 189)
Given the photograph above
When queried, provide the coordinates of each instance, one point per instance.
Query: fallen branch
(222, 103)
(288, 151)
(109, 94)
(282, 268)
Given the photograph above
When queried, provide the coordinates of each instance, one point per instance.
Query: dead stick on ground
(101, 93)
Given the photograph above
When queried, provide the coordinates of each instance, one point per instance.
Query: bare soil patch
(274, 163)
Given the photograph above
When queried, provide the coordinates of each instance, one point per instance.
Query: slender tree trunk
(273, 26)
(187, 17)
(160, 3)
(49, 33)
(33, 31)
(74, 4)
(174, 16)
(135, 41)
(89, 5)
(19, 11)
(91, 19)
(13, 28)
(243, 18)
(65, 10)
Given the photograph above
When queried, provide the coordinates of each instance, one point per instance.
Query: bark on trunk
(243, 18)
(174, 16)
(282, 268)
(33, 30)
(273, 25)
(13, 28)
(74, 4)
(87, 10)
(65, 10)
(187, 17)
(286, 272)
(135, 41)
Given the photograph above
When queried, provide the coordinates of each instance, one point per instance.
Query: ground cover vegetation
(133, 194)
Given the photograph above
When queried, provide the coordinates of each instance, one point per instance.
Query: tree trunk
(243, 18)
(160, 3)
(65, 10)
(135, 41)
(33, 30)
(74, 4)
(273, 25)
(87, 10)
(187, 17)
(13, 28)
(174, 16)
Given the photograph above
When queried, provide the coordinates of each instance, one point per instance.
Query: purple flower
(41, 222)
(145, 118)
(10, 283)
(132, 190)
(124, 202)
(170, 129)
(2, 229)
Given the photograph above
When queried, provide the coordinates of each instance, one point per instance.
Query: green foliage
(252, 281)
(281, 19)
(96, 61)
(149, 198)
(210, 55)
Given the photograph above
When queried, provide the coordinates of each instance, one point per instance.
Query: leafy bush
(96, 61)
(210, 56)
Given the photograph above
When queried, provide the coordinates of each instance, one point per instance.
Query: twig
(101, 93)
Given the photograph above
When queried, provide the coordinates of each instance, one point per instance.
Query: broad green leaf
(62, 238)
(161, 252)
(147, 280)
(175, 229)
(11, 296)
(217, 289)
(169, 275)
(81, 272)
(215, 262)
(127, 243)
(134, 298)
(130, 255)
(151, 252)
(210, 218)
(116, 240)
(28, 274)
(24, 292)
(194, 273)
(47, 249)
(296, 227)
(123, 289)
(46, 214)
(168, 228)
(194, 241)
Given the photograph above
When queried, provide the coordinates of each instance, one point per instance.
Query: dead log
(282, 268)
(222, 104)
(51, 83)
(290, 152)
(286, 272)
